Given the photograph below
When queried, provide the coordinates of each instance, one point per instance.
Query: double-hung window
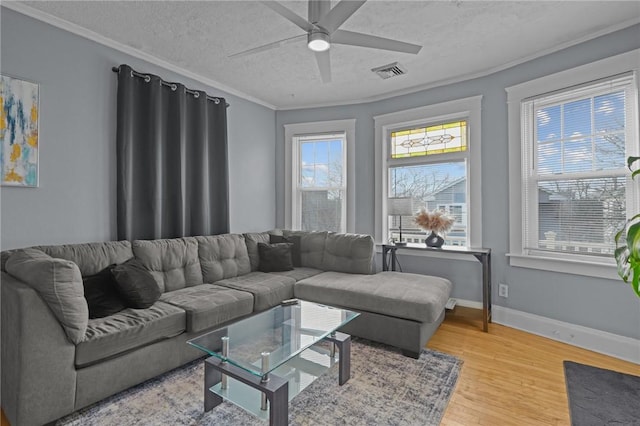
(319, 182)
(575, 188)
(430, 155)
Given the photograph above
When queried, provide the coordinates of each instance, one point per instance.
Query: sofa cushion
(351, 253)
(275, 257)
(129, 329)
(91, 258)
(403, 295)
(311, 247)
(208, 305)
(268, 289)
(223, 256)
(59, 283)
(299, 273)
(135, 284)
(252, 239)
(102, 295)
(173, 262)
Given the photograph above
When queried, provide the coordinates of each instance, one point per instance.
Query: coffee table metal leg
(343, 341)
(279, 406)
(212, 377)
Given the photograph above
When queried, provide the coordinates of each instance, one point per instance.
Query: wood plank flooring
(509, 377)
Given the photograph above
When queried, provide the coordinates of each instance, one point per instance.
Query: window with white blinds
(576, 188)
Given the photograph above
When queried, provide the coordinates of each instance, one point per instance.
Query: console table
(482, 254)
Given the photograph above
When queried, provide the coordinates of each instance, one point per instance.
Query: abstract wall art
(19, 132)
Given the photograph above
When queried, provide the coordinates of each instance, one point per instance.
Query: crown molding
(121, 47)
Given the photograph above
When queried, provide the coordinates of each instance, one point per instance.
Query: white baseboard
(614, 345)
(469, 303)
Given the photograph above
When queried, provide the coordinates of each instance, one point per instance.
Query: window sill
(432, 254)
(567, 266)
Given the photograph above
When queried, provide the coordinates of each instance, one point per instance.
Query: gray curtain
(172, 178)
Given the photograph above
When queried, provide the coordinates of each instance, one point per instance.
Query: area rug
(385, 388)
(601, 397)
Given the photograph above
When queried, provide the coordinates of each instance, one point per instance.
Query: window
(417, 169)
(319, 183)
(319, 194)
(575, 188)
(431, 154)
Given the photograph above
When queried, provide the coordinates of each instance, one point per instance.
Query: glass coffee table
(261, 362)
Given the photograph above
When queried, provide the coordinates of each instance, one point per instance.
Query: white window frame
(519, 255)
(468, 109)
(292, 167)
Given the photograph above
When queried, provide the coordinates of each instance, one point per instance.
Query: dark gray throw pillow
(275, 257)
(136, 284)
(296, 253)
(102, 295)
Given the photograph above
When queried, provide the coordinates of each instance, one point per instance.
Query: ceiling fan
(322, 29)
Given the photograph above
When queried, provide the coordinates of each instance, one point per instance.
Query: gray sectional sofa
(206, 282)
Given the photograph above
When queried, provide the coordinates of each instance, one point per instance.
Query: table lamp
(400, 206)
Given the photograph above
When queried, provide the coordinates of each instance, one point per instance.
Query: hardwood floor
(509, 377)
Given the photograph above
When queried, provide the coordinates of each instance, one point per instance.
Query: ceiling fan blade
(324, 65)
(340, 13)
(268, 46)
(288, 14)
(365, 40)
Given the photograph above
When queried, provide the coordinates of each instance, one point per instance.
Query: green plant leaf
(631, 160)
(635, 173)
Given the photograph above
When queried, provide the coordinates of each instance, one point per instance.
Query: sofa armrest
(38, 371)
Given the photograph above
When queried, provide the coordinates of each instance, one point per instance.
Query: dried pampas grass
(436, 221)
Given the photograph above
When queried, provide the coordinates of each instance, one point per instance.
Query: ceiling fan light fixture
(318, 41)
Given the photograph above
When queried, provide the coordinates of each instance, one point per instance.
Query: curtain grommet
(174, 87)
(196, 95)
(216, 100)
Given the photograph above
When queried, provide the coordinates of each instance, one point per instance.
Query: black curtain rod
(147, 78)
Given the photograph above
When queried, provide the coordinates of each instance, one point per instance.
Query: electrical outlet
(503, 290)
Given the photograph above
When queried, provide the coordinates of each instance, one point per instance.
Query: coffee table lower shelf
(284, 383)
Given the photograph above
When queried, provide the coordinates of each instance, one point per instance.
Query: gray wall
(76, 199)
(597, 303)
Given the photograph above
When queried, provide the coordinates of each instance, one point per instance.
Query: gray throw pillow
(275, 257)
(136, 285)
(59, 283)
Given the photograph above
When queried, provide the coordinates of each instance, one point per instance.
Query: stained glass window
(430, 140)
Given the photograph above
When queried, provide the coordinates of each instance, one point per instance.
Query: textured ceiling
(459, 39)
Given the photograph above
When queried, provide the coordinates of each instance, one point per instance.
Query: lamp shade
(400, 206)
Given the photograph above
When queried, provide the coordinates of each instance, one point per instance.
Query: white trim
(614, 345)
(138, 54)
(470, 108)
(567, 266)
(83, 32)
(335, 126)
(468, 303)
(604, 68)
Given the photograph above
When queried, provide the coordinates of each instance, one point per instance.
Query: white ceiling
(459, 38)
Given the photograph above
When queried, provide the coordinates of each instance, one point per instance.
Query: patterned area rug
(385, 388)
(601, 397)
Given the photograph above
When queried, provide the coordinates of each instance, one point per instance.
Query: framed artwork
(19, 132)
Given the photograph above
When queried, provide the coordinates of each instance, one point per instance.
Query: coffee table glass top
(283, 332)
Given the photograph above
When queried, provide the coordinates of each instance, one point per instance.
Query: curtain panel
(172, 172)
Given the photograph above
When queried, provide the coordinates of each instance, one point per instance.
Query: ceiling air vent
(391, 70)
